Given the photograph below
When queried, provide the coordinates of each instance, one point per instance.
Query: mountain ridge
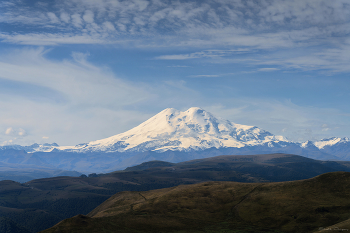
(191, 130)
(176, 136)
(171, 129)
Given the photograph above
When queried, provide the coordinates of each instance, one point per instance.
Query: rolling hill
(41, 203)
(295, 206)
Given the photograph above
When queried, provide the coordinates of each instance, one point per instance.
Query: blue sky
(72, 71)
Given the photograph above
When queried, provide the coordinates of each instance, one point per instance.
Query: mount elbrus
(177, 136)
(194, 129)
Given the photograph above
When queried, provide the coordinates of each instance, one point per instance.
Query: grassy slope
(39, 204)
(297, 206)
(343, 226)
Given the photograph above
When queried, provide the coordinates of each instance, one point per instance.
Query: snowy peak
(171, 129)
(192, 130)
(325, 143)
(330, 142)
(46, 147)
(171, 120)
(307, 144)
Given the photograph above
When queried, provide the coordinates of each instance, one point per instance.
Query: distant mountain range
(176, 136)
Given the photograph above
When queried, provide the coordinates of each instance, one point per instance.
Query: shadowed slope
(39, 204)
(297, 206)
(339, 227)
(9, 226)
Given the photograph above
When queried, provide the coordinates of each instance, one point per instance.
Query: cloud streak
(88, 92)
(98, 104)
(254, 22)
(247, 26)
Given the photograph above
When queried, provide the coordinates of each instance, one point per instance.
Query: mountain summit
(196, 130)
(171, 129)
(176, 136)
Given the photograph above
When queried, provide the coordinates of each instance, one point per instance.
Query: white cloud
(247, 26)
(9, 142)
(94, 98)
(202, 54)
(178, 66)
(325, 128)
(54, 39)
(80, 57)
(205, 76)
(77, 21)
(109, 26)
(7, 3)
(267, 69)
(15, 132)
(330, 60)
(57, 75)
(9, 131)
(53, 18)
(142, 4)
(21, 132)
(88, 16)
(177, 57)
(220, 14)
(65, 17)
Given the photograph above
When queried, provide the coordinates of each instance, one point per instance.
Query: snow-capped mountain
(337, 146)
(46, 147)
(330, 142)
(176, 136)
(171, 129)
(191, 130)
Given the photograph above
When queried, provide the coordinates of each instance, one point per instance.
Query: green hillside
(296, 206)
(40, 204)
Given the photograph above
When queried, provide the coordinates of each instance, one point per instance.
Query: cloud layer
(301, 34)
(263, 24)
(69, 95)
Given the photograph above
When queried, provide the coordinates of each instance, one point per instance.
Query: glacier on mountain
(191, 130)
(171, 129)
(330, 142)
(175, 136)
